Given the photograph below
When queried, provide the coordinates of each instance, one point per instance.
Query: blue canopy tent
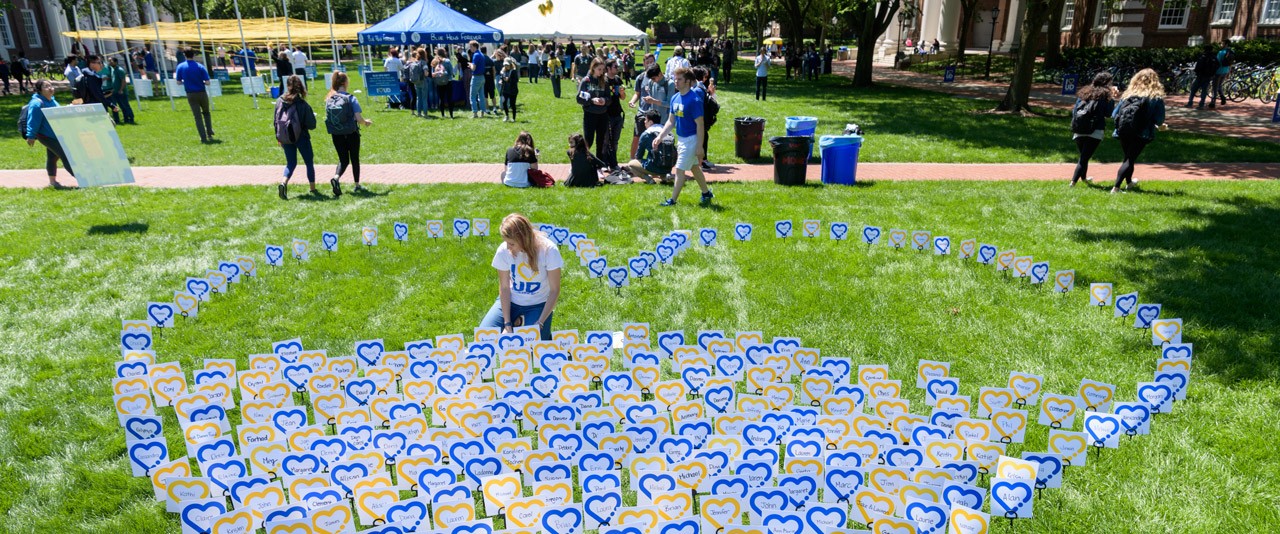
(428, 22)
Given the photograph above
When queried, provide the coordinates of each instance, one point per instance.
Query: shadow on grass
(113, 229)
(1218, 270)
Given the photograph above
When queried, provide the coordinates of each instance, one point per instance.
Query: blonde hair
(517, 227)
(1146, 84)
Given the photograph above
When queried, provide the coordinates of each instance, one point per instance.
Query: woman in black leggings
(38, 130)
(442, 69)
(343, 119)
(1148, 91)
(1100, 97)
(594, 96)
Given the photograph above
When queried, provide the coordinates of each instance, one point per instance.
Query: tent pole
(75, 13)
(244, 50)
(97, 37)
(306, 15)
(365, 15)
(333, 42)
(288, 34)
(164, 74)
(128, 61)
(200, 33)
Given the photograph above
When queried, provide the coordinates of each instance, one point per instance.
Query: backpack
(540, 178)
(23, 117)
(1229, 58)
(1085, 118)
(1131, 119)
(288, 123)
(440, 76)
(665, 155)
(1206, 66)
(340, 115)
(417, 72)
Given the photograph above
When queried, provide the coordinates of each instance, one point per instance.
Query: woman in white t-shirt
(528, 265)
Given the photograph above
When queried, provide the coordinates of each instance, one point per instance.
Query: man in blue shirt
(686, 119)
(149, 64)
(478, 64)
(194, 80)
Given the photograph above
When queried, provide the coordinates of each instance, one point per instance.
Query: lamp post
(903, 16)
(995, 12)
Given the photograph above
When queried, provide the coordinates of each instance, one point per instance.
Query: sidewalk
(231, 175)
(1249, 119)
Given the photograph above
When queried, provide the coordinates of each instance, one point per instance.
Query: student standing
(194, 79)
(676, 61)
(1206, 68)
(762, 75)
(294, 121)
(726, 62)
(343, 119)
(1226, 58)
(478, 62)
(90, 83)
(300, 63)
(556, 68)
(284, 67)
(510, 89)
(534, 63)
(1095, 103)
(593, 96)
(528, 266)
(490, 76)
(38, 129)
(120, 93)
(687, 121)
(1139, 114)
(442, 79)
(617, 94)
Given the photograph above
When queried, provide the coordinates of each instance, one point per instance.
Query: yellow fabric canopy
(256, 31)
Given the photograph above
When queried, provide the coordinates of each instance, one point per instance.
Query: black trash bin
(790, 158)
(748, 135)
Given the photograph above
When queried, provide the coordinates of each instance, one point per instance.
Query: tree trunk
(862, 70)
(1019, 92)
(967, 10)
(1053, 52)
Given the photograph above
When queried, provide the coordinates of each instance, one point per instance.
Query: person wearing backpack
(1226, 58)
(194, 79)
(35, 128)
(294, 121)
(556, 68)
(1094, 104)
(707, 87)
(343, 119)
(510, 89)
(284, 67)
(1206, 68)
(442, 79)
(651, 162)
(1138, 116)
(416, 75)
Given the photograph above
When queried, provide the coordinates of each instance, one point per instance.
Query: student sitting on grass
(584, 168)
(652, 163)
(521, 159)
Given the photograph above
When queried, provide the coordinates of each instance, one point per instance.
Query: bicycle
(48, 70)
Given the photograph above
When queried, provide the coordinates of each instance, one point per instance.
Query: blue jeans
(291, 158)
(420, 106)
(1201, 85)
(493, 319)
(121, 100)
(478, 104)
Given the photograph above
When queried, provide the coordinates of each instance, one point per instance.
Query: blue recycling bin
(840, 158)
(802, 126)
(275, 92)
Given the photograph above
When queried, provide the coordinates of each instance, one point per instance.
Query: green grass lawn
(901, 124)
(78, 262)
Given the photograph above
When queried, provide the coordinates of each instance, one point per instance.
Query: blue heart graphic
(685, 526)
(192, 508)
(274, 254)
(640, 411)
(708, 236)
(763, 501)
(211, 412)
(803, 485)
(495, 434)
(729, 364)
(435, 477)
(221, 472)
(757, 435)
(136, 341)
(783, 228)
(618, 382)
(731, 486)
(986, 253)
(664, 253)
(1011, 485)
(574, 239)
(844, 459)
(711, 395)
(638, 266)
(411, 512)
(161, 450)
(160, 313)
(301, 463)
(1050, 466)
(618, 275)
(743, 231)
(462, 226)
(904, 457)
(1124, 410)
(248, 485)
(423, 369)
(679, 238)
(545, 385)
(597, 266)
(780, 524)
(361, 390)
(222, 448)
(957, 495)
(477, 528)
(1151, 394)
(1039, 271)
(297, 374)
(883, 436)
(870, 234)
(1102, 428)
(785, 346)
(561, 235)
(922, 434)
(286, 513)
(838, 478)
(479, 468)
(547, 472)
(143, 429)
(604, 340)
(942, 386)
(1148, 313)
(567, 414)
(834, 515)
(198, 287)
(1124, 304)
(600, 480)
(330, 449)
(570, 519)
(1179, 379)
(915, 511)
(401, 230)
(839, 230)
(329, 240)
(669, 340)
(942, 244)
(962, 471)
(604, 500)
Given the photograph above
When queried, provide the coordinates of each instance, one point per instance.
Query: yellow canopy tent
(256, 31)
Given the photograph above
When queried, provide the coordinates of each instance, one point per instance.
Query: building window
(1068, 14)
(1104, 14)
(6, 33)
(1174, 14)
(1271, 12)
(31, 28)
(1226, 11)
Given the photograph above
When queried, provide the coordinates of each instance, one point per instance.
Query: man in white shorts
(686, 119)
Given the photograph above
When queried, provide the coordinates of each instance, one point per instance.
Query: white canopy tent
(579, 19)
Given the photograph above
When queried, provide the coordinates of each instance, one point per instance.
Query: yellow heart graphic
(514, 509)
(195, 489)
(683, 500)
(1166, 330)
(177, 468)
(339, 515)
(1065, 407)
(186, 303)
(1067, 445)
(1064, 280)
(369, 234)
(1006, 258)
(943, 452)
(965, 427)
(526, 272)
(731, 504)
(1101, 293)
(366, 499)
(636, 332)
(240, 521)
(967, 522)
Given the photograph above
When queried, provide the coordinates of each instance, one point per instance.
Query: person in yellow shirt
(556, 67)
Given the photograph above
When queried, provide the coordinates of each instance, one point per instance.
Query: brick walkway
(187, 177)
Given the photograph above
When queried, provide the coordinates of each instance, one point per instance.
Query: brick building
(34, 27)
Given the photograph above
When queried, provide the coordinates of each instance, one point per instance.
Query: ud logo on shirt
(522, 277)
(678, 109)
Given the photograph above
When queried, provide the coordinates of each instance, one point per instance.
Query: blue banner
(949, 74)
(1069, 84)
(382, 83)
(221, 75)
(376, 38)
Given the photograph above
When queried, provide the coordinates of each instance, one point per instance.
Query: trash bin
(275, 92)
(840, 158)
(803, 126)
(790, 158)
(844, 53)
(748, 135)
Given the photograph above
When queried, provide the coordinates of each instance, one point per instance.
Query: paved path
(187, 177)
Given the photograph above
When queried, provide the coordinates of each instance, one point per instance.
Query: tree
(968, 8)
(874, 17)
(1019, 92)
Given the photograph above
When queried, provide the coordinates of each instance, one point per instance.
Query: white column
(56, 19)
(930, 11)
(1013, 29)
(949, 25)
